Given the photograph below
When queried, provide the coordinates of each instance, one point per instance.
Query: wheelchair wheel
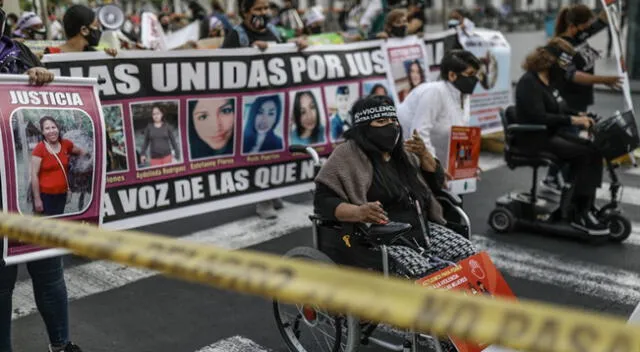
(307, 328)
(502, 220)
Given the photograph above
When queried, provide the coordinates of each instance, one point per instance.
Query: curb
(494, 143)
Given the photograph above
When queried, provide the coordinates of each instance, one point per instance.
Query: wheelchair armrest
(516, 127)
(453, 198)
(324, 221)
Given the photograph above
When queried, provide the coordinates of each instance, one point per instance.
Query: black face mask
(165, 26)
(399, 31)
(385, 137)
(259, 22)
(94, 37)
(465, 84)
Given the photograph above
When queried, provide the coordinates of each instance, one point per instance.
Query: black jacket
(540, 104)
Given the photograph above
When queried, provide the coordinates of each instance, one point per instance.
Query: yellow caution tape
(521, 325)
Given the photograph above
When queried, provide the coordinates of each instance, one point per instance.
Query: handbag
(66, 179)
(617, 135)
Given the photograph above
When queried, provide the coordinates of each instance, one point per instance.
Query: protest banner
(202, 130)
(493, 91)
(463, 158)
(52, 154)
(407, 62)
(476, 275)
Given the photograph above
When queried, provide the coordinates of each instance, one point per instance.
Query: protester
(433, 108)
(538, 102)
(376, 178)
(56, 31)
(49, 288)
(574, 77)
(30, 27)
(314, 20)
(460, 18)
(219, 14)
(416, 18)
(395, 25)
(82, 29)
(255, 29)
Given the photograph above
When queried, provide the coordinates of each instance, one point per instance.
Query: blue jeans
(53, 204)
(50, 293)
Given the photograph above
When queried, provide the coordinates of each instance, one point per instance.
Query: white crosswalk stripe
(234, 344)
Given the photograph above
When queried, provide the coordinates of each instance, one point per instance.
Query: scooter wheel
(502, 220)
(619, 226)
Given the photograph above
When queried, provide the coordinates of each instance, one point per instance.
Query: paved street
(115, 308)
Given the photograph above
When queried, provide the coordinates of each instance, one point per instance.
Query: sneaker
(551, 187)
(590, 224)
(70, 347)
(265, 210)
(277, 203)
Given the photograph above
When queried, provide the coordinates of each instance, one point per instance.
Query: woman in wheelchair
(375, 178)
(538, 102)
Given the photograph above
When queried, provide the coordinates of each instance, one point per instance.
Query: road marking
(100, 276)
(234, 344)
(605, 282)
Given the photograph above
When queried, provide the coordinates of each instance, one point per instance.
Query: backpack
(243, 38)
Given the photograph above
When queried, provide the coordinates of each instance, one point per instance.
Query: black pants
(585, 165)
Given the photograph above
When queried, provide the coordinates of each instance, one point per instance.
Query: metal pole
(445, 15)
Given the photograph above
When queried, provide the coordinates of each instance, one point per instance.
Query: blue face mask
(453, 23)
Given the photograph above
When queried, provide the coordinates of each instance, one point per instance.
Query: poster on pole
(407, 61)
(463, 158)
(613, 9)
(53, 154)
(493, 91)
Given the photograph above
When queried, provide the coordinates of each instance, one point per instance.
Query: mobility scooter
(551, 213)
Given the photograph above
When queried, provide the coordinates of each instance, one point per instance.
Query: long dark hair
(297, 115)
(420, 69)
(200, 149)
(572, 15)
(250, 133)
(400, 184)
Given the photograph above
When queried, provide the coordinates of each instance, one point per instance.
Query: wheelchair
(344, 333)
(544, 211)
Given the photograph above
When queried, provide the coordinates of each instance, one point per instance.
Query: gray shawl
(349, 173)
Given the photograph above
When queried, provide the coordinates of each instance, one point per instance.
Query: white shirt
(432, 108)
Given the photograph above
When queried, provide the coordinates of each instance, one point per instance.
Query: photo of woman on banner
(375, 88)
(158, 137)
(55, 175)
(415, 72)
(262, 125)
(339, 101)
(211, 127)
(307, 125)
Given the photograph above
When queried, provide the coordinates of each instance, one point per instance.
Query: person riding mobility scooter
(547, 212)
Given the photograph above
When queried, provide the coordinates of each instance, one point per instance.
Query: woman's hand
(111, 51)
(39, 75)
(372, 213)
(301, 43)
(582, 121)
(37, 203)
(261, 45)
(382, 35)
(416, 145)
(614, 82)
